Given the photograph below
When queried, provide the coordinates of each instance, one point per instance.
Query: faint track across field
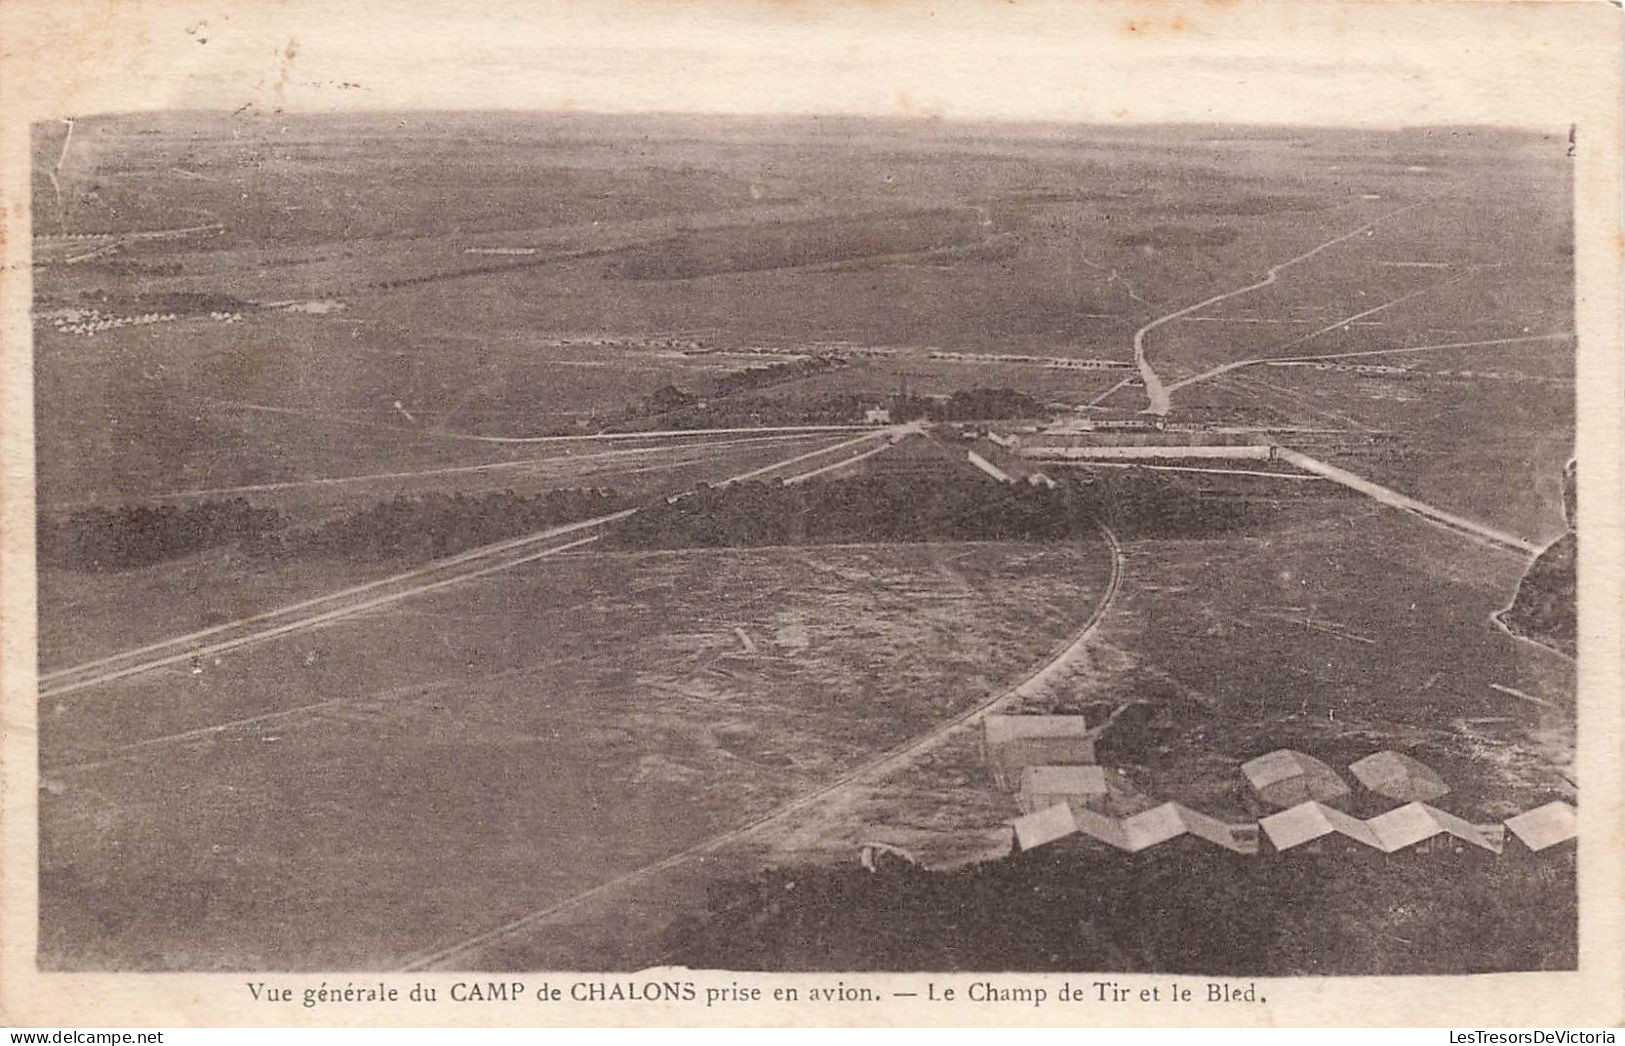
(333, 606)
(878, 767)
(1157, 394)
(536, 464)
(312, 613)
(1264, 361)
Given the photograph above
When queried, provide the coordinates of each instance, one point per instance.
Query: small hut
(1015, 742)
(1044, 786)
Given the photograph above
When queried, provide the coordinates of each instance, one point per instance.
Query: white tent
(1546, 826)
(1287, 778)
(1044, 826)
(1398, 776)
(1309, 821)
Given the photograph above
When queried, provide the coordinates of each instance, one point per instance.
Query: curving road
(878, 767)
(1157, 393)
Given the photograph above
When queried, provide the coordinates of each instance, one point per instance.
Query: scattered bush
(1545, 607)
(1178, 909)
(751, 378)
(190, 302)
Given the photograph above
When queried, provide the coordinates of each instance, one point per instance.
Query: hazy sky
(1283, 62)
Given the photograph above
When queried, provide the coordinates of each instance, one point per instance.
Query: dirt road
(834, 791)
(1157, 393)
(313, 613)
(1437, 516)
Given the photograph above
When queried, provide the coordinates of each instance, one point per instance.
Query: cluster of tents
(1049, 761)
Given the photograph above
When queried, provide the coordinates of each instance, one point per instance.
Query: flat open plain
(546, 752)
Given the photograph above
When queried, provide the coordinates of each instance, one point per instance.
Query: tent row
(1418, 824)
(1134, 833)
(1049, 762)
(1399, 829)
(1414, 825)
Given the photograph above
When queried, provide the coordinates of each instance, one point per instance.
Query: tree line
(672, 407)
(946, 506)
(428, 526)
(413, 526)
(1175, 908)
(942, 505)
(128, 536)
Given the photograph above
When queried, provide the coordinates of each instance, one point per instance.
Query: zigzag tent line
(1051, 760)
(1398, 829)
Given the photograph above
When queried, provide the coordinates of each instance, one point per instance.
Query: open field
(567, 752)
(86, 614)
(447, 743)
(1100, 230)
(1303, 635)
(1479, 432)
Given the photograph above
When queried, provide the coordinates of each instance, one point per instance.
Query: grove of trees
(126, 536)
(960, 505)
(676, 408)
(427, 526)
(414, 526)
(938, 505)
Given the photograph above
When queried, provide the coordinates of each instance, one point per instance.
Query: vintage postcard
(755, 513)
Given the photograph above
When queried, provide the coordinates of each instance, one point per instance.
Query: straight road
(1437, 516)
(534, 464)
(313, 613)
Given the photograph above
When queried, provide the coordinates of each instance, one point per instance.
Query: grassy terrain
(343, 311)
(730, 234)
(1187, 910)
(1302, 634)
(90, 614)
(483, 752)
(1459, 438)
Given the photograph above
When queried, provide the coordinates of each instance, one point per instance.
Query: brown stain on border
(1143, 27)
(288, 53)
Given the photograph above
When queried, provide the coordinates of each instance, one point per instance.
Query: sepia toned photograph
(545, 537)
